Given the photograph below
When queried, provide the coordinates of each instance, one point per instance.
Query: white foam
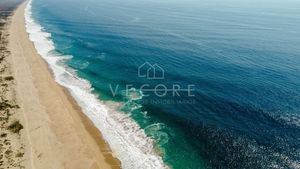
(127, 140)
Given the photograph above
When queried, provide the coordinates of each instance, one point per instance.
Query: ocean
(191, 84)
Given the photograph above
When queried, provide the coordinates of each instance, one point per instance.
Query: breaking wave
(127, 140)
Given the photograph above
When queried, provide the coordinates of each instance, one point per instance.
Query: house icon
(151, 71)
(155, 72)
(143, 69)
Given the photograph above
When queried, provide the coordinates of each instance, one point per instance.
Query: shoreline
(58, 133)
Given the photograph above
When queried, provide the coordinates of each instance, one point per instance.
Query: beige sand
(57, 134)
(11, 135)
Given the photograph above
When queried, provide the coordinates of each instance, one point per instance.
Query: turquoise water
(241, 60)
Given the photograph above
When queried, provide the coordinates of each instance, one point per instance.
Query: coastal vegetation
(11, 142)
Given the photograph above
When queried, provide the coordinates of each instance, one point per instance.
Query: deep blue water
(243, 59)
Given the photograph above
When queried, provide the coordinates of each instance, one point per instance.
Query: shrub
(15, 127)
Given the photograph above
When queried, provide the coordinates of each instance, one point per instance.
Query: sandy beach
(56, 133)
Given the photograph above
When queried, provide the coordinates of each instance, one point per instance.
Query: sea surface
(190, 84)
